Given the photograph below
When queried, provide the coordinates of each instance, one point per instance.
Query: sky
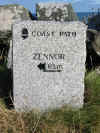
(78, 5)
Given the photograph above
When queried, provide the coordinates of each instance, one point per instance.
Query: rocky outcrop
(55, 11)
(93, 41)
(93, 49)
(10, 14)
(94, 37)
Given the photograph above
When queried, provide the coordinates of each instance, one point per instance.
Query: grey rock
(55, 11)
(93, 49)
(10, 57)
(10, 14)
(94, 37)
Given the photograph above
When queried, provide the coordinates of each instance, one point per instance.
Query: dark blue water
(83, 14)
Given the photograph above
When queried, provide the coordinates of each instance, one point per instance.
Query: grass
(92, 85)
(63, 120)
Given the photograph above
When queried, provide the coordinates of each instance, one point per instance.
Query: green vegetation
(64, 120)
(92, 84)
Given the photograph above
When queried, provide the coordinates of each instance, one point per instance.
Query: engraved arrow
(43, 68)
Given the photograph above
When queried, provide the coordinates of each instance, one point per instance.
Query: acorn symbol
(24, 33)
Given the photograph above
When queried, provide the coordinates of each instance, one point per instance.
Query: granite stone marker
(48, 64)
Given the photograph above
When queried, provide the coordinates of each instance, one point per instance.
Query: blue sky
(78, 5)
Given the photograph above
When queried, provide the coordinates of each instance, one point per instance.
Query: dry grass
(64, 120)
(14, 122)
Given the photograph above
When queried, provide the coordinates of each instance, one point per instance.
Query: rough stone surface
(93, 49)
(10, 14)
(55, 11)
(10, 56)
(94, 37)
(48, 66)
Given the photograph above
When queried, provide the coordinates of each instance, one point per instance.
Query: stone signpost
(48, 64)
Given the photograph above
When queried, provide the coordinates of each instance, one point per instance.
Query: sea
(81, 15)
